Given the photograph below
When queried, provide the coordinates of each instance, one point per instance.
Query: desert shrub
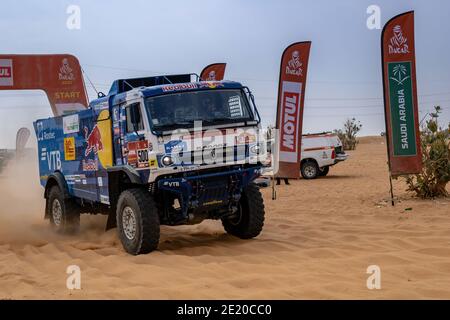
(435, 175)
(348, 134)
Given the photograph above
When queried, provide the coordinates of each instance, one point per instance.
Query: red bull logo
(211, 84)
(94, 140)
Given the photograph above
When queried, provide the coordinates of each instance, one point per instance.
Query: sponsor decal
(42, 134)
(69, 149)
(93, 140)
(6, 72)
(294, 66)
(398, 43)
(104, 199)
(90, 165)
(178, 87)
(71, 124)
(234, 103)
(53, 159)
(76, 178)
(138, 154)
(245, 138)
(210, 84)
(402, 109)
(174, 184)
(153, 163)
(290, 110)
(175, 146)
(65, 71)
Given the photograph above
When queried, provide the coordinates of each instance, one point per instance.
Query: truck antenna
(87, 77)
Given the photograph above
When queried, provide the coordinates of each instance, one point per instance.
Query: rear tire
(137, 221)
(309, 170)
(64, 213)
(249, 219)
(324, 171)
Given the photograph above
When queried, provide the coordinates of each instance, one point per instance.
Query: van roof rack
(316, 134)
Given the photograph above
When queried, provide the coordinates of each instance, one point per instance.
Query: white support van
(320, 151)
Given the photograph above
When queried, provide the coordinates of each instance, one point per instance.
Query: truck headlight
(167, 160)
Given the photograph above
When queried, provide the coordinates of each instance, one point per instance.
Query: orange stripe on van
(318, 148)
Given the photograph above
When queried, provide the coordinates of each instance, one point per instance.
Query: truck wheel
(137, 221)
(324, 171)
(309, 170)
(249, 219)
(64, 213)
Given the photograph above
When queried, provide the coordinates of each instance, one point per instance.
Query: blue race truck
(139, 156)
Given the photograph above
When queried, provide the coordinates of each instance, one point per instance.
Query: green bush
(435, 175)
(348, 134)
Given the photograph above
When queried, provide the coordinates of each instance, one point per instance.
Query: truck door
(128, 131)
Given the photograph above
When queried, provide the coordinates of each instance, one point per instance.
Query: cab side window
(134, 118)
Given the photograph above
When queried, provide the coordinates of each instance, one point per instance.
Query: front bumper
(201, 191)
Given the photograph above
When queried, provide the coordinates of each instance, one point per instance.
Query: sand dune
(319, 238)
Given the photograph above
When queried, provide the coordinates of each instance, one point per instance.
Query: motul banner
(291, 97)
(58, 75)
(400, 95)
(213, 72)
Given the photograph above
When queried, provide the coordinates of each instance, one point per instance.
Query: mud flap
(111, 223)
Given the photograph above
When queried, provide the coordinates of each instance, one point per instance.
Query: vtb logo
(6, 72)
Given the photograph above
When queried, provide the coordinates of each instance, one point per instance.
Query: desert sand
(319, 238)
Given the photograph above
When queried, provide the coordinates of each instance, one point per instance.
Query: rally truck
(165, 150)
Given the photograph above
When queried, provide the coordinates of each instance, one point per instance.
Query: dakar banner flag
(400, 95)
(213, 72)
(291, 97)
(58, 75)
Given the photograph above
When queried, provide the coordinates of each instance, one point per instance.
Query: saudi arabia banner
(400, 95)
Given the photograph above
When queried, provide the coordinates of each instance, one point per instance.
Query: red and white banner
(213, 72)
(291, 97)
(59, 75)
(400, 95)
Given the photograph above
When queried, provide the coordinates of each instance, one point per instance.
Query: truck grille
(216, 155)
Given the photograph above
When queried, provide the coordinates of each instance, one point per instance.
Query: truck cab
(155, 151)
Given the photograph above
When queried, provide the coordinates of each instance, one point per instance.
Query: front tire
(309, 170)
(64, 213)
(249, 220)
(137, 221)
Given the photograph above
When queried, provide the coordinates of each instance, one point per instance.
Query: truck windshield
(212, 107)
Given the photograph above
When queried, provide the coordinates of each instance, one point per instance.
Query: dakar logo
(294, 66)
(66, 72)
(94, 140)
(399, 74)
(398, 43)
(211, 76)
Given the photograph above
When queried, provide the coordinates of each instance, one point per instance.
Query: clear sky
(140, 38)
